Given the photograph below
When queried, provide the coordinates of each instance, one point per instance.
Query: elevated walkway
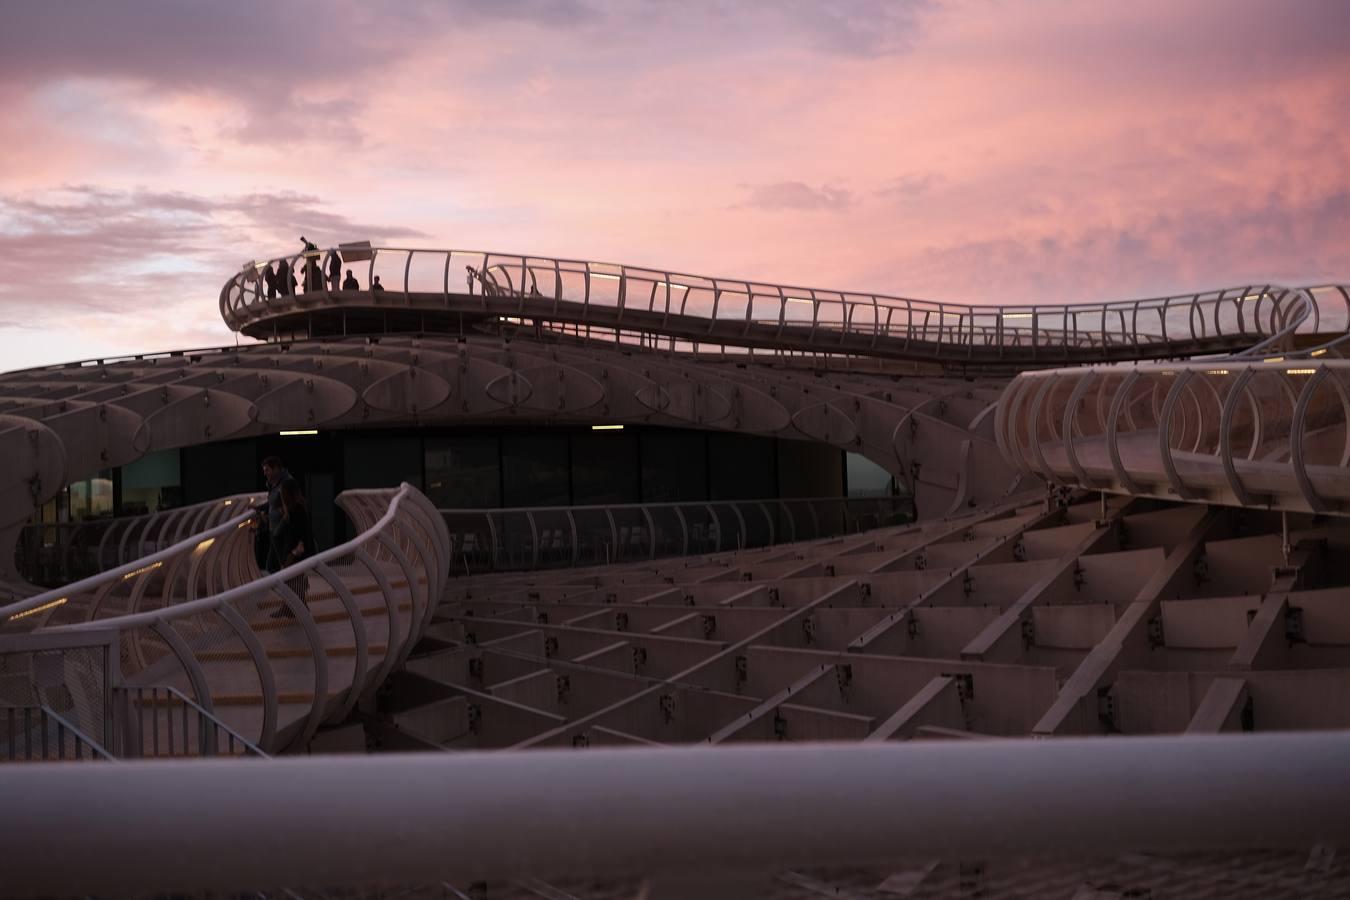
(190, 643)
(451, 290)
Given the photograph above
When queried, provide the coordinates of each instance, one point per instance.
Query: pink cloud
(966, 150)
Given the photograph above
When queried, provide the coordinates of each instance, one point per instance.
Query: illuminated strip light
(298, 432)
(801, 300)
(229, 502)
(37, 609)
(1274, 359)
(204, 544)
(1018, 315)
(606, 428)
(141, 571)
(1300, 371)
(1216, 371)
(1322, 352)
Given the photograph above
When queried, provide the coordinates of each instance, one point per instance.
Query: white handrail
(1262, 313)
(461, 817)
(94, 581)
(203, 604)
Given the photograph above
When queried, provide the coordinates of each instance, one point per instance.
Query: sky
(979, 151)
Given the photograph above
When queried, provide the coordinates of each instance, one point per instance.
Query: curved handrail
(552, 536)
(144, 527)
(402, 548)
(1239, 430)
(754, 311)
(137, 567)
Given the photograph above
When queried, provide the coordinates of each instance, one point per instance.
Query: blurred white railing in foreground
(692, 819)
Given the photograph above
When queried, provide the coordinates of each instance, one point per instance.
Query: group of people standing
(284, 535)
(282, 280)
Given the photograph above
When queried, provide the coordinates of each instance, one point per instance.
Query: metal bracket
(965, 685)
(779, 726)
(639, 660)
(1106, 708)
(564, 686)
(843, 676)
(709, 627)
(667, 702)
(1293, 625)
(1156, 638)
(742, 669)
(550, 647)
(1200, 569)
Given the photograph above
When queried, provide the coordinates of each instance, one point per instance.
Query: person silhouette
(334, 270)
(350, 283)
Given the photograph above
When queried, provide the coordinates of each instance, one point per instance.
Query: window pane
(810, 469)
(867, 479)
(152, 483)
(674, 466)
(604, 467)
(463, 472)
(534, 470)
(380, 461)
(741, 466)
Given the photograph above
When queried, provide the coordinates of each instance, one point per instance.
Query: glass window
(152, 483)
(674, 466)
(92, 498)
(535, 470)
(604, 467)
(867, 479)
(463, 472)
(810, 469)
(381, 461)
(741, 466)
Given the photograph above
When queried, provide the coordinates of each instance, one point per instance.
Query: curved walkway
(445, 288)
(1269, 432)
(190, 638)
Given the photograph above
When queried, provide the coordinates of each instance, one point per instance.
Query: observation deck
(458, 291)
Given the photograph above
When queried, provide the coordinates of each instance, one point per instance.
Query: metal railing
(39, 734)
(193, 566)
(1238, 430)
(212, 636)
(56, 553)
(521, 538)
(160, 721)
(694, 307)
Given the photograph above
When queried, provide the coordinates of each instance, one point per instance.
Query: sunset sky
(971, 150)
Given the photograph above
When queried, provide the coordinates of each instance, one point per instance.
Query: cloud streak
(965, 149)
